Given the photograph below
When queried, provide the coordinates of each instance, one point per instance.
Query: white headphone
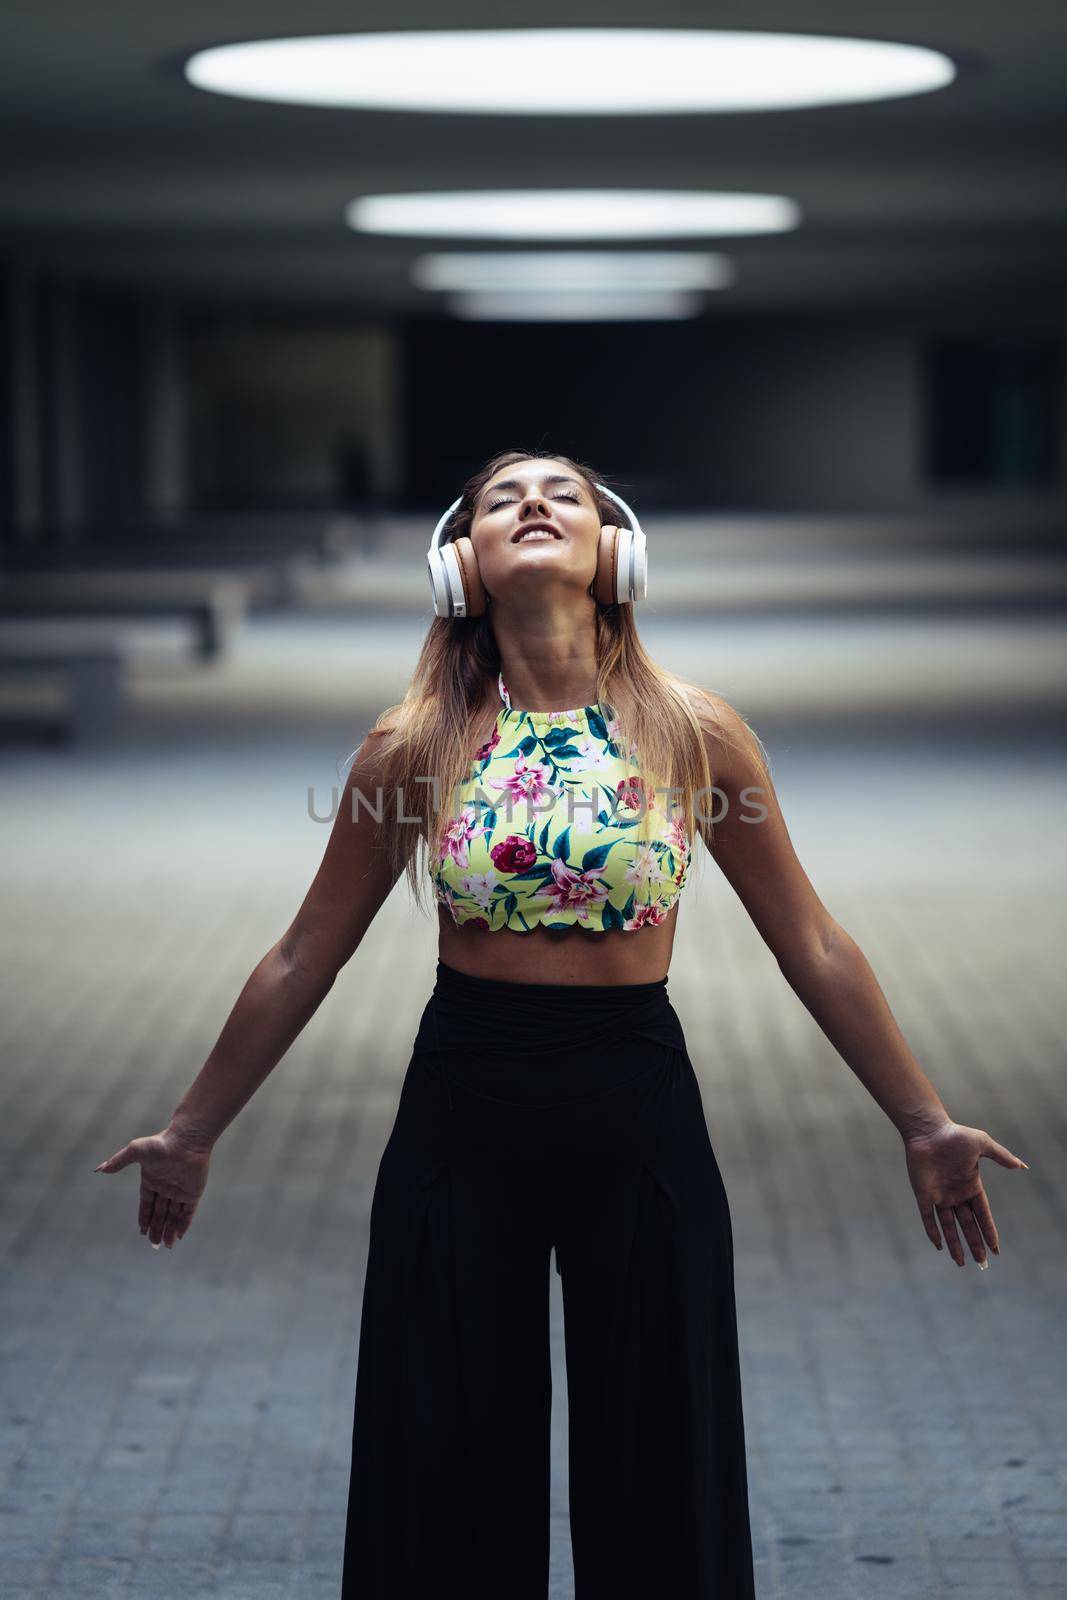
(457, 590)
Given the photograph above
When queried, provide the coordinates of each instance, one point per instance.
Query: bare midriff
(559, 955)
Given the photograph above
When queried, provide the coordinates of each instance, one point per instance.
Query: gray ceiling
(112, 164)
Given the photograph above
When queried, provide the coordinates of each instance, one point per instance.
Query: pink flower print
(457, 835)
(528, 781)
(513, 854)
(650, 915)
(485, 751)
(445, 896)
(632, 794)
(645, 868)
(677, 837)
(571, 890)
(480, 886)
(592, 752)
(612, 725)
(678, 840)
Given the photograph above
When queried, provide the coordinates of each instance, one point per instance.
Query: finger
(1001, 1153)
(972, 1233)
(952, 1239)
(984, 1218)
(159, 1220)
(144, 1212)
(930, 1224)
(170, 1229)
(120, 1159)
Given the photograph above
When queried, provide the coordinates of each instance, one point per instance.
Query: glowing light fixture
(577, 306)
(572, 213)
(531, 271)
(569, 71)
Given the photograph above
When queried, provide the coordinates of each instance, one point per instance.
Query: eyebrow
(516, 483)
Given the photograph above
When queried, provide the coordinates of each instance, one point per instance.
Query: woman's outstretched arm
(280, 997)
(830, 974)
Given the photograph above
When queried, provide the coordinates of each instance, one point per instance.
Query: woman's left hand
(943, 1168)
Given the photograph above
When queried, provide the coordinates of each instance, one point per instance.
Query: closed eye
(563, 494)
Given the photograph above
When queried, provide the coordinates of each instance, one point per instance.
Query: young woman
(550, 1102)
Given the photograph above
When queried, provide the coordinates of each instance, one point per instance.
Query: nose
(532, 502)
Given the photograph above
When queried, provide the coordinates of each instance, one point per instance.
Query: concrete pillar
(26, 448)
(166, 454)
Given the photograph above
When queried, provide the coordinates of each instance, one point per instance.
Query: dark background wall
(808, 413)
(123, 407)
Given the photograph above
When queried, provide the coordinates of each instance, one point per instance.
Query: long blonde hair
(431, 733)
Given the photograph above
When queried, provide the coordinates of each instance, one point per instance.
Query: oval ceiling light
(569, 71)
(535, 270)
(572, 213)
(579, 306)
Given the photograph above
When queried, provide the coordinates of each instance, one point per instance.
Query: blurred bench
(262, 546)
(88, 658)
(214, 603)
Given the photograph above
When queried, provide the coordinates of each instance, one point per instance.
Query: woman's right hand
(173, 1175)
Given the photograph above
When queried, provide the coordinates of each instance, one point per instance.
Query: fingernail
(155, 1246)
(982, 1265)
(995, 1249)
(1025, 1165)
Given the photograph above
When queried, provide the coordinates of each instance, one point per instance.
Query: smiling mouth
(535, 531)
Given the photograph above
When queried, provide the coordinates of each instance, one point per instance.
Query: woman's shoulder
(372, 753)
(713, 710)
(727, 731)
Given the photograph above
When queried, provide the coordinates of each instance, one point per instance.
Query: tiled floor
(178, 1422)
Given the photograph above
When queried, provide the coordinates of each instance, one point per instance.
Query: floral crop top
(555, 825)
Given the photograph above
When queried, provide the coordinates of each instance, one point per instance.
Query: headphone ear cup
(440, 582)
(621, 561)
(604, 583)
(462, 551)
(634, 563)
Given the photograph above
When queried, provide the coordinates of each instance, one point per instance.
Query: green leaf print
(529, 874)
(561, 848)
(596, 857)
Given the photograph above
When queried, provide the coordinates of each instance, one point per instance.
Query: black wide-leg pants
(535, 1116)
